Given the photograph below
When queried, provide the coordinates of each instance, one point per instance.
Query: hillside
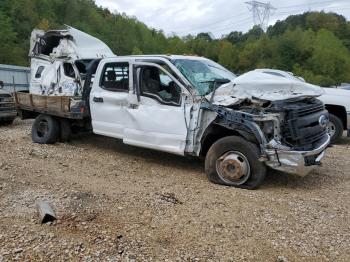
(313, 45)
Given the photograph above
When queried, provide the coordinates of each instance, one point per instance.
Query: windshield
(204, 75)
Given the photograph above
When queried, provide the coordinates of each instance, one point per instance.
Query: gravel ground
(121, 203)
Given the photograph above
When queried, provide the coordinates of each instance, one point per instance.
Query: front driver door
(157, 118)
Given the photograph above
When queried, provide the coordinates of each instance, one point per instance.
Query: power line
(302, 10)
(219, 25)
(314, 3)
(211, 24)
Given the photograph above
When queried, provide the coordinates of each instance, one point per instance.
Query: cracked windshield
(204, 75)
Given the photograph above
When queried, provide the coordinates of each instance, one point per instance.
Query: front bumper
(296, 162)
(7, 114)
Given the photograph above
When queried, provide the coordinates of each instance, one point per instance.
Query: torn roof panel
(70, 42)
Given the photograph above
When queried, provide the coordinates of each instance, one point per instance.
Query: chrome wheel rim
(331, 129)
(233, 168)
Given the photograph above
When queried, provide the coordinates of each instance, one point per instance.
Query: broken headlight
(268, 127)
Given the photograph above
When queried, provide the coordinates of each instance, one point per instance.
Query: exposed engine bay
(283, 129)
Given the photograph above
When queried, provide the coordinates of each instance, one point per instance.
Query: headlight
(268, 127)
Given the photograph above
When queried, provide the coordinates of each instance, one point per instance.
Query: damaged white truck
(188, 106)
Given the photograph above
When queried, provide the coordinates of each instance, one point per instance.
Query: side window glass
(115, 77)
(39, 71)
(69, 70)
(156, 84)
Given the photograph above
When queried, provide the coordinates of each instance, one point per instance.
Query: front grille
(302, 129)
(6, 103)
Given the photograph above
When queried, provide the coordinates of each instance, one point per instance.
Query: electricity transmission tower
(261, 13)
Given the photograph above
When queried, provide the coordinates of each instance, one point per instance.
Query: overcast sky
(216, 16)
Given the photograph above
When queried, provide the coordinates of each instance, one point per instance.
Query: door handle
(98, 99)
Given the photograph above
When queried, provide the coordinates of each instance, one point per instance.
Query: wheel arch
(215, 132)
(338, 111)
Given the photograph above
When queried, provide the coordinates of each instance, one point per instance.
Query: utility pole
(261, 13)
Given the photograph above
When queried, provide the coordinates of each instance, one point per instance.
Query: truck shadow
(194, 166)
(112, 145)
(344, 141)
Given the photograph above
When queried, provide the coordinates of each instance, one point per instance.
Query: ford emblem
(323, 121)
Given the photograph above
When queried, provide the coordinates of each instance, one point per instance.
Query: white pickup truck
(188, 106)
(337, 103)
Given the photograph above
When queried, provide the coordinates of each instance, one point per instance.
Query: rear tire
(335, 128)
(45, 130)
(233, 161)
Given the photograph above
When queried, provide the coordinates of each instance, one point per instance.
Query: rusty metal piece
(233, 167)
(45, 211)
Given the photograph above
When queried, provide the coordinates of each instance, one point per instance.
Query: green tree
(137, 51)
(330, 59)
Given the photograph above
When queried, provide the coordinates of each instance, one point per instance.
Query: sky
(218, 17)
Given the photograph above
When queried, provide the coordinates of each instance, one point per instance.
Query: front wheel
(335, 128)
(233, 161)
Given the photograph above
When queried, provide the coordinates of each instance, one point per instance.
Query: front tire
(45, 130)
(335, 128)
(233, 161)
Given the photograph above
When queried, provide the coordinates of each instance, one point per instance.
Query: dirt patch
(124, 203)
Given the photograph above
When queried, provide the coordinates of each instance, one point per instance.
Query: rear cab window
(115, 77)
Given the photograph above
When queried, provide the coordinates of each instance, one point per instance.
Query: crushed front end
(303, 136)
(292, 135)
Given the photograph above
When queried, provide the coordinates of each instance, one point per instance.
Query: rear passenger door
(109, 98)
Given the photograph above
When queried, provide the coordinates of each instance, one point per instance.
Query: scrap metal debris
(169, 197)
(45, 211)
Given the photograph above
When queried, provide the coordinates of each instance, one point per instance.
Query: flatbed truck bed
(30, 105)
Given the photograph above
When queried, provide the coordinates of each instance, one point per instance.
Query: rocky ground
(120, 203)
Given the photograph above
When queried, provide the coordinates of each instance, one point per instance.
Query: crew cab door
(109, 98)
(156, 110)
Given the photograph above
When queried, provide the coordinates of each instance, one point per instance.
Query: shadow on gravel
(315, 180)
(117, 146)
(274, 179)
(344, 141)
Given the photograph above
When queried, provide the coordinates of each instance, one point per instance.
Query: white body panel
(334, 96)
(142, 122)
(73, 45)
(109, 117)
(156, 126)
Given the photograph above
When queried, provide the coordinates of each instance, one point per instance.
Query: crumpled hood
(266, 85)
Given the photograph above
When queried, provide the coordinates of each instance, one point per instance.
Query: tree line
(314, 45)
